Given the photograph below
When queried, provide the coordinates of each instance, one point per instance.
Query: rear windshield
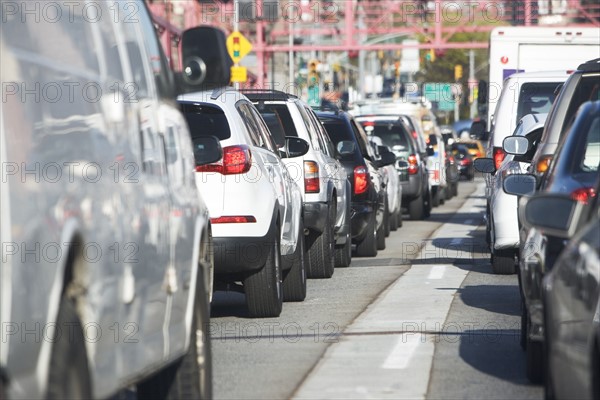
(338, 131)
(591, 158)
(206, 120)
(393, 136)
(536, 98)
(471, 146)
(278, 119)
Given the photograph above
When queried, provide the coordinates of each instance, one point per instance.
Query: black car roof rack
(267, 95)
(590, 66)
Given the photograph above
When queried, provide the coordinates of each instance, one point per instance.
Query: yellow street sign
(239, 74)
(238, 46)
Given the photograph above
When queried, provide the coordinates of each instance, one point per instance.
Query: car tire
(416, 209)
(455, 189)
(343, 254)
(503, 262)
(68, 374)
(186, 379)
(368, 246)
(448, 191)
(549, 393)
(435, 197)
(427, 204)
(394, 221)
(294, 280)
(534, 351)
(524, 327)
(322, 248)
(264, 291)
(400, 218)
(386, 219)
(380, 235)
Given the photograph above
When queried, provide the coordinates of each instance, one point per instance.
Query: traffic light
(458, 72)
(313, 75)
(430, 55)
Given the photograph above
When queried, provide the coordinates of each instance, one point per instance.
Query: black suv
(395, 133)
(368, 192)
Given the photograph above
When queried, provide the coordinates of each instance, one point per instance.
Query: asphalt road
(424, 319)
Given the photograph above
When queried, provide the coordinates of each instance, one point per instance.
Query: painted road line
(383, 354)
(437, 272)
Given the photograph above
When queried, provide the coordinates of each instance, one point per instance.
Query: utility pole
(472, 83)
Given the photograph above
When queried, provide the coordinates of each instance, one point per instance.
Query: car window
(278, 119)
(392, 135)
(244, 109)
(311, 133)
(361, 138)
(206, 120)
(327, 146)
(536, 98)
(591, 158)
(263, 130)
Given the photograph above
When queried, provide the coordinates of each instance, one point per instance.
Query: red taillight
(499, 155)
(233, 219)
(236, 160)
(414, 133)
(465, 161)
(361, 180)
(311, 177)
(583, 195)
(413, 164)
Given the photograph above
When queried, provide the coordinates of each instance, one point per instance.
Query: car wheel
(368, 246)
(386, 219)
(534, 351)
(399, 218)
(427, 204)
(435, 197)
(321, 250)
(264, 294)
(549, 393)
(448, 191)
(294, 281)
(503, 262)
(416, 209)
(380, 235)
(68, 376)
(394, 221)
(523, 336)
(343, 254)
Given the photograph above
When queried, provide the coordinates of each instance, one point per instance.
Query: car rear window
(279, 120)
(206, 120)
(338, 131)
(392, 135)
(591, 158)
(536, 98)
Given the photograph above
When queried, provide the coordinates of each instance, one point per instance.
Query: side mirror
(207, 150)
(477, 129)
(386, 159)
(519, 184)
(430, 152)
(485, 165)
(565, 214)
(296, 147)
(346, 148)
(516, 145)
(206, 64)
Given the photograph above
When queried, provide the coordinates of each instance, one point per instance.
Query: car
(574, 172)
(258, 241)
(321, 178)
(362, 169)
(504, 236)
(462, 128)
(392, 215)
(570, 293)
(396, 134)
(106, 245)
(464, 161)
(581, 86)
(474, 147)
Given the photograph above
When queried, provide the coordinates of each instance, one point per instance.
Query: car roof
(267, 95)
(562, 74)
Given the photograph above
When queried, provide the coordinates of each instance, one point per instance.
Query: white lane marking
(403, 351)
(456, 241)
(437, 272)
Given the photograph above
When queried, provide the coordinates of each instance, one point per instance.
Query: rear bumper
(315, 215)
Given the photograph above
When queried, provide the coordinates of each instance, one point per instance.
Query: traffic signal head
(458, 72)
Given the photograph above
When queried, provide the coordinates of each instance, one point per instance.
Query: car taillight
(233, 219)
(499, 155)
(413, 164)
(465, 161)
(311, 177)
(583, 195)
(236, 160)
(543, 164)
(361, 180)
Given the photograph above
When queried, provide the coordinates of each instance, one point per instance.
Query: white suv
(323, 180)
(254, 204)
(504, 225)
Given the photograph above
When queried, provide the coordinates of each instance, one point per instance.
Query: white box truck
(532, 49)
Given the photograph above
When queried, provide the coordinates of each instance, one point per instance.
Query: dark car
(571, 295)
(395, 133)
(464, 161)
(368, 194)
(574, 172)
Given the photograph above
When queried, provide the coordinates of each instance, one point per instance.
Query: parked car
(394, 133)
(582, 86)
(504, 227)
(321, 177)
(574, 172)
(115, 293)
(362, 168)
(570, 293)
(251, 236)
(474, 147)
(462, 128)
